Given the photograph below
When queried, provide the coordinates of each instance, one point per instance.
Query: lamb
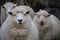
(47, 24)
(19, 25)
(5, 9)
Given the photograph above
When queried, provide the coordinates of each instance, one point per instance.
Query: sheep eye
(12, 14)
(47, 16)
(14, 6)
(27, 12)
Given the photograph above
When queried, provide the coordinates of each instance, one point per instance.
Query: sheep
(47, 24)
(8, 6)
(5, 9)
(19, 25)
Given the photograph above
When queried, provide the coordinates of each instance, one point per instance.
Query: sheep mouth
(20, 22)
(41, 24)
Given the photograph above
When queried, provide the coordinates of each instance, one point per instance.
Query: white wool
(50, 29)
(10, 30)
(56, 25)
(4, 11)
(3, 15)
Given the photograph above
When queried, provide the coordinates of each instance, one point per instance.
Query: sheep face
(8, 6)
(42, 17)
(19, 15)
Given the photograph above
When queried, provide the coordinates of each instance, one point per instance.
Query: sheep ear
(27, 12)
(10, 13)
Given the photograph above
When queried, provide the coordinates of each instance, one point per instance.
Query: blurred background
(52, 6)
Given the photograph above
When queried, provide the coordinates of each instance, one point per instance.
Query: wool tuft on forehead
(42, 12)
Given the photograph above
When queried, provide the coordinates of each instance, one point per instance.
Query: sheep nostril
(20, 20)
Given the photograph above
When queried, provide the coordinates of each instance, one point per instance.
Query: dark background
(53, 6)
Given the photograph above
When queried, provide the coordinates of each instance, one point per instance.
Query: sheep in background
(48, 25)
(5, 9)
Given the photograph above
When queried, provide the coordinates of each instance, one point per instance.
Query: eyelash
(25, 14)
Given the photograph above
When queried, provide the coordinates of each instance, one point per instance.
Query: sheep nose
(20, 21)
(41, 23)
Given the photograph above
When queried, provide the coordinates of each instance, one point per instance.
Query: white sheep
(48, 25)
(5, 9)
(19, 25)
